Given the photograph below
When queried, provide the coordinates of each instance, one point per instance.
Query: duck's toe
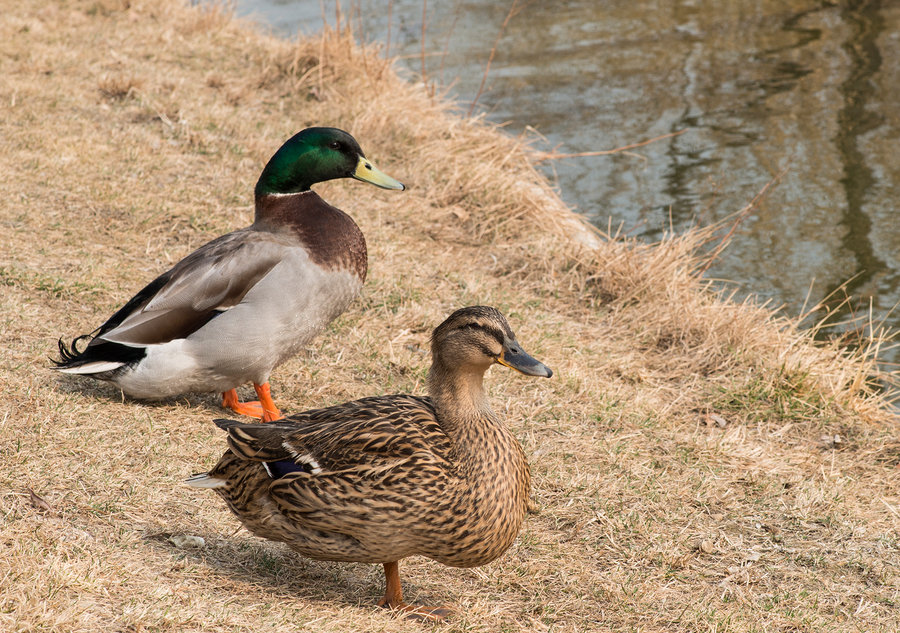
(252, 409)
(418, 612)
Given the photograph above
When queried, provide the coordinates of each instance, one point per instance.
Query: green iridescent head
(315, 155)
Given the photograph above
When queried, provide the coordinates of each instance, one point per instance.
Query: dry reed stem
(699, 463)
(554, 155)
(487, 67)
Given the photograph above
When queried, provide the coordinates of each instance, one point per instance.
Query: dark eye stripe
(487, 329)
(497, 334)
(487, 351)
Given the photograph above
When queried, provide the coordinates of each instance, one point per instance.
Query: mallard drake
(242, 304)
(382, 478)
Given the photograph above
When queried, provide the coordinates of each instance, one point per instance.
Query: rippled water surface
(759, 86)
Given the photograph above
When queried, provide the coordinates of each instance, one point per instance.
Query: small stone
(187, 541)
(460, 213)
(37, 503)
(719, 420)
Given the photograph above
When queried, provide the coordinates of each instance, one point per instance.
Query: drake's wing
(207, 282)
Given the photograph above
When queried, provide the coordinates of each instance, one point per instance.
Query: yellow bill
(367, 172)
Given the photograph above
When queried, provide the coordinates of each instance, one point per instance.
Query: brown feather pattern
(391, 476)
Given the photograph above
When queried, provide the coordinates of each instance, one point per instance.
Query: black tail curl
(96, 350)
(69, 355)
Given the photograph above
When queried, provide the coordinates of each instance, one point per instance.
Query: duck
(236, 308)
(383, 478)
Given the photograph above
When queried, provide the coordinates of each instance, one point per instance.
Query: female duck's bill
(514, 357)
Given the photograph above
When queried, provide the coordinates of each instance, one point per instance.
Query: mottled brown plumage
(387, 477)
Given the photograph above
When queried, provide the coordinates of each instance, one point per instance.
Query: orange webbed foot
(230, 401)
(264, 408)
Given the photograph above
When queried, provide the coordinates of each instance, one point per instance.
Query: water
(809, 90)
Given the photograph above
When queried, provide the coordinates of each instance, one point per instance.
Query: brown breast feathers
(331, 237)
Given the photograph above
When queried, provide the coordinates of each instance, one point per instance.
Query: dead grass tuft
(699, 463)
(118, 87)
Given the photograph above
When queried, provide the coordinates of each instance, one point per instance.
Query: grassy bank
(698, 464)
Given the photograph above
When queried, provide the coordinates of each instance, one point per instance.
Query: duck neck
(487, 456)
(331, 237)
(286, 208)
(466, 417)
(459, 400)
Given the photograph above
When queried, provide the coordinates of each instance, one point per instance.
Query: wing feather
(362, 435)
(370, 461)
(210, 280)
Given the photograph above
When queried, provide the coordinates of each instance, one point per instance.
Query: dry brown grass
(684, 458)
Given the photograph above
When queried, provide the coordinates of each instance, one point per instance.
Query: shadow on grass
(275, 569)
(109, 393)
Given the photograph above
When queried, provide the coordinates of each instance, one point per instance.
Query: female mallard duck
(242, 304)
(382, 478)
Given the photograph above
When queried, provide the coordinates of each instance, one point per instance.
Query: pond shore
(698, 464)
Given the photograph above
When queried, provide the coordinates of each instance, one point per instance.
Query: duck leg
(393, 599)
(263, 408)
(270, 411)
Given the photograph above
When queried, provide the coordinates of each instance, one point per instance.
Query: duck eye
(334, 145)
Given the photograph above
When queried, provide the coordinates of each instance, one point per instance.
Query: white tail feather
(203, 480)
(92, 368)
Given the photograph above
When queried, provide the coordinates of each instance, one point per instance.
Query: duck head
(315, 155)
(475, 338)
